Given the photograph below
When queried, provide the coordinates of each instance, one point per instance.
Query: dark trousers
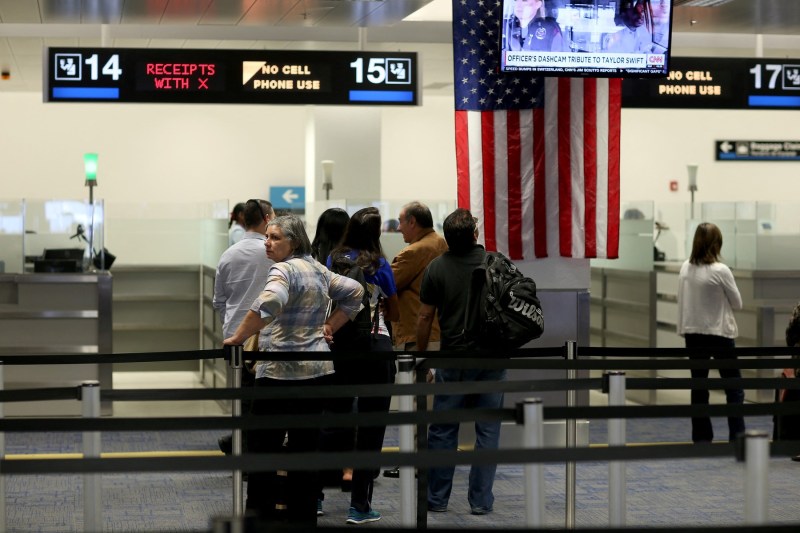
(299, 490)
(370, 438)
(362, 438)
(337, 439)
(702, 430)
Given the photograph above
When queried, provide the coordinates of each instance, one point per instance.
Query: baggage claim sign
(230, 76)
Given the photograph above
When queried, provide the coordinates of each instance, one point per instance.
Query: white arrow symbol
(726, 147)
(290, 196)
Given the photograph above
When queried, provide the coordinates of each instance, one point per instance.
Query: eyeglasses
(260, 207)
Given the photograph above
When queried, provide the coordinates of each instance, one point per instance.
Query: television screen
(597, 38)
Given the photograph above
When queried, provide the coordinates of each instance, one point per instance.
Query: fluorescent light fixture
(700, 3)
(434, 11)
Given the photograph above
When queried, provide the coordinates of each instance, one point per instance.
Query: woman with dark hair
(707, 296)
(361, 243)
(330, 230)
(294, 301)
(236, 228)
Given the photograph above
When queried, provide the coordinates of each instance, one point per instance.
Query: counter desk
(634, 308)
(55, 314)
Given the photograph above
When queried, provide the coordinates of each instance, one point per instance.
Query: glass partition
(54, 235)
(756, 235)
(12, 215)
(777, 236)
(637, 250)
(157, 233)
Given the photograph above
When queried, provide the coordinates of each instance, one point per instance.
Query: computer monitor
(75, 254)
(57, 265)
(590, 38)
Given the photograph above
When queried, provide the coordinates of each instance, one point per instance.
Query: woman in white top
(707, 296)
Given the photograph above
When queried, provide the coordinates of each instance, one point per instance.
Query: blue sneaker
(320, 512)
(357, 517)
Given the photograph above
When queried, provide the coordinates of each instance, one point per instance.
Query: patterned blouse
(296, 300)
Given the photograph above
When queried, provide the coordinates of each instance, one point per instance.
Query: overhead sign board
(288, 198)
(230, 76)
(719, 83)
(758, 150)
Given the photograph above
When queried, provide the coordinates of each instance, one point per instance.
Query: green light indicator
(90, 167)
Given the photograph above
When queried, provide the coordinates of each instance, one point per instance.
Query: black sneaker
(226, 444)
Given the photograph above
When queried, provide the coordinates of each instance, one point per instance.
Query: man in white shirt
(240, 278)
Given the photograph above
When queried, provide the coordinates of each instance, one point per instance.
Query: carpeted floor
(661, 493)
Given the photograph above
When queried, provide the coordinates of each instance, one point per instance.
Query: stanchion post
(228, 525)
(408, 498)
(532, 439)
(756, 479)
(236, 363)
(572, 355)
(2, 456)
(92, 483)
(422, 447)
(617, 486)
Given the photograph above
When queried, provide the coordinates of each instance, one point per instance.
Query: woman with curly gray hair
(295, 301)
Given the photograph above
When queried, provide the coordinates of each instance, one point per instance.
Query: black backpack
(502, 308)
(356, 334)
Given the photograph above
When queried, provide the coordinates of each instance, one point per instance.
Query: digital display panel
(720, 83)
(594, 38)
(230, 76)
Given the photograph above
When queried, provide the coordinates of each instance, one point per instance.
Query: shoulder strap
(376, 317)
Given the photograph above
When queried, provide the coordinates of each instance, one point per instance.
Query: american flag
(537, 158)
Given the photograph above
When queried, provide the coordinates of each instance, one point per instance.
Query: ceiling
(27, 26)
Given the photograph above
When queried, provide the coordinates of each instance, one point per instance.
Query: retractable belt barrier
(533, 453)
(490, 357)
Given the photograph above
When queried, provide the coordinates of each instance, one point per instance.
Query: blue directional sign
(291, 198)
(738, 150)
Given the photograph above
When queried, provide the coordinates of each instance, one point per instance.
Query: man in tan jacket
(424, 245)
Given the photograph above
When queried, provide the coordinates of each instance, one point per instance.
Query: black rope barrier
(315, 461)
(40, 424)
(739, 351)
(416, 389)
(649, 529)
(604, 364)
(710, 383)
(548, 357)
(82, 359)
(375, 460)
(43, 394)
(506, 355)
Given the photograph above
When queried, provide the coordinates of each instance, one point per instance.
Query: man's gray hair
(421, 214)
(294, 230)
